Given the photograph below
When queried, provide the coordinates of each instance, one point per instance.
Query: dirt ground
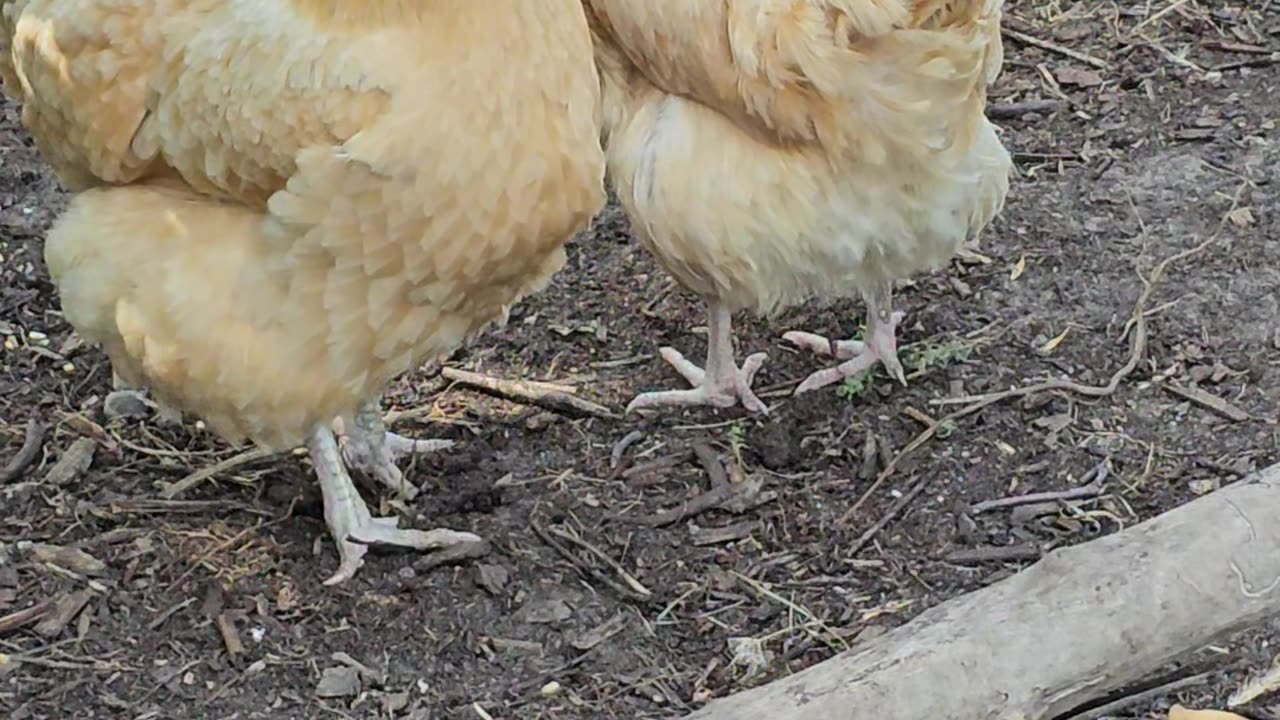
(1152, 132)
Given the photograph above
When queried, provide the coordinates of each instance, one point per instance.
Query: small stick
(728, 533)
(1129, 700)
(230, 636)
(654, 465)
(172, 490)
(631, 582)
(1056, 48)
(711, 463)
(543, 395)
(700, 504)
(27, 454)
(1209, 401)
(1009, 553)
(1009, 111)
(615, 456)
(164, 616)
(761, 589)
(866, 537)
(622, 589)
(1087, 491)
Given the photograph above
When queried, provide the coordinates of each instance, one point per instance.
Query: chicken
(773, 151)
(283, 204)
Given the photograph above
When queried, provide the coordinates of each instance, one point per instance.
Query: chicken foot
(352, 525)
(121, 389)
(880, 345)
(368, 447)
(722, 384)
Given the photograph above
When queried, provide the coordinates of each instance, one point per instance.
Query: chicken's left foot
(368, 447)
(881, 345)
(352, 525)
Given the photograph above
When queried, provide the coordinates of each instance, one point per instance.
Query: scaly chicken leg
(723, 383)
(368, 447)
(352, 525)
(881, 344)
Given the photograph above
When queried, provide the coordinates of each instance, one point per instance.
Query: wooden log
(1080, 624)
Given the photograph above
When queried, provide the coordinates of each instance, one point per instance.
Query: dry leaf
(1242, 217)
(1177, 712)
(1019, 268)
(1054, 343)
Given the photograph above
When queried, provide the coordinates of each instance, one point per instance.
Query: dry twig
(1056, 48)
(543, 395)
(27, 454)
(174, 489)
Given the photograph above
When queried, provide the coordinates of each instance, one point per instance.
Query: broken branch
(982, 655)
(543, 395)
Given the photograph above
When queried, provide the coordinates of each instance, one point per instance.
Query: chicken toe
(880, 345)
(368, 447)
(722, 384)
(353, 527)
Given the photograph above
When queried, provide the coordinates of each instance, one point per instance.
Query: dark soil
(1173, 142)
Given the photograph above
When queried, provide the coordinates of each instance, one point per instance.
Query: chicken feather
(771, 151)
(286, 203)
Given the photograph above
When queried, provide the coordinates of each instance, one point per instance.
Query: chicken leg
(368, 447)
(881, 344)
(723, 384)
(352, 525)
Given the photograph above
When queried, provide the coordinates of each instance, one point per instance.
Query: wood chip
(73, 559)
(25, 617)
(1209, 401)
(230, 635)
(65, 609)
(728, 533)
(73, 463)
(370, 675)
(493, 578)
(337, 682)
(600, 633)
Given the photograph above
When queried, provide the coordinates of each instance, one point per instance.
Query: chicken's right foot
(723, 384)
(724, 391)
(352, 525)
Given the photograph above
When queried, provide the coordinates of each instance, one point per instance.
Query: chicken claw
(368, 447)
(723, 384)
(352, 525)
(881, 345)
(725, 391)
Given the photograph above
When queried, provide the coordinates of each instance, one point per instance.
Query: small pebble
(551, 689)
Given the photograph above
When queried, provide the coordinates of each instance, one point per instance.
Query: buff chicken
(773, 151)
(284, 204)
